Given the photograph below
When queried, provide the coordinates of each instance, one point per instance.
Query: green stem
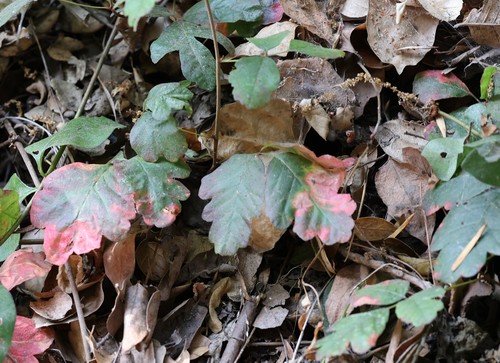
(460, 123)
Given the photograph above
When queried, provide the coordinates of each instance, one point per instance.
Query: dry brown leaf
(489, 15)
(55, 308)
(152, 259)
(355, 9)
(373, 228)
(270, 317)
(445, 10)
(403, 44)
(343, 284)
(395, 135)
(248, 263)
(307, 14)
(247, 131)
(276, 295)
(119, 261)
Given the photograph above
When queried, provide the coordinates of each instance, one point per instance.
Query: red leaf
(23, 265)
(27, 341)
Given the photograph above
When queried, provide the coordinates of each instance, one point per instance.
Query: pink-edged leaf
(79, 203)
(155, 191)
(27, 341)
(236, 192)
(360, 331)
(435, 85)
(384, 293)
(276, 187)
(299, 189)
(23, 265)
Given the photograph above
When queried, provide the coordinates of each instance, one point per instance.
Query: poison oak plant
(273, 189)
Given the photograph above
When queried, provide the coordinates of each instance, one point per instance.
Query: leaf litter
(337, 188)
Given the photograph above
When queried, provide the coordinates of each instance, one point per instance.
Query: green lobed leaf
(9, 210)
(421, 308)
(434, 85)
(442, 155)
(156, 193)
(135, 10)
(483, 161)
(225, 11)
(459, 227)
(254, 80)
(19, 187)
(313, 50)
(165, 98)
(278, 187)
(13, 9)
(7, 321)
(270, 42)
(197, 63)
(82, 132)
(154, 138)
(360, 331)
(236, 192)
(384, 293)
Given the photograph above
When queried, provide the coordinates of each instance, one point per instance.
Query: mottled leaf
(360, 331)
(7, 321)
(254, 80)
(313, 50)
(153, 138)
(435, 85)
(135, 10)
(9, 210)
(156, 193)
(165, 98)
(197, 63)
(443, 154)
(28, 341)
(421, 308)
(473, 204)
(276, 187)
(384, 293)
(23, 265)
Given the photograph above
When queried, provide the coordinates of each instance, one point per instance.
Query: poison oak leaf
(27, 341)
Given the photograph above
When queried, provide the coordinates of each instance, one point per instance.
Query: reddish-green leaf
(9, 210)
(280, 187)
(473, 204)
(154, 138)
(360, 331)
(23, 265)
(7, 321)
(435, 85)
(384, 293)
(155, 191)
(102, 203)
(421, 308)
(79, 203)
(28, 340)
